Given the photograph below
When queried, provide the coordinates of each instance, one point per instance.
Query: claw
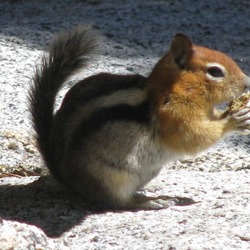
(245, 132)
(242, 119)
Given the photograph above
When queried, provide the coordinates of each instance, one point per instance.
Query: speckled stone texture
(36, 213)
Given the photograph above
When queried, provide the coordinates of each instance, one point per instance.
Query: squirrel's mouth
(241, 88)
(247, 81)
(238, 95)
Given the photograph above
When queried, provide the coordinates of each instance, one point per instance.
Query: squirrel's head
(193, 72)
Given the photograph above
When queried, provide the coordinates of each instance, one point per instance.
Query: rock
(39, 214)
(16, 235)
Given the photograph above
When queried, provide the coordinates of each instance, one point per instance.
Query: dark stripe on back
(123, 112)
(97, 86)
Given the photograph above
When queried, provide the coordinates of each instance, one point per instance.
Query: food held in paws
(239, 103)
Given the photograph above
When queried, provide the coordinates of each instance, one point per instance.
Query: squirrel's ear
(181, 48)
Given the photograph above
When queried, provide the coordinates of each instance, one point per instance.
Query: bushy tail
(68, 52)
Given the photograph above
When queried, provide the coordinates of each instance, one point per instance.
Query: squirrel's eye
(215, 71)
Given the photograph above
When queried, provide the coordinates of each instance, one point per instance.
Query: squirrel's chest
(151, 159)
(128, 147)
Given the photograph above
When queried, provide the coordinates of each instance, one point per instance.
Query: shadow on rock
(44, 204)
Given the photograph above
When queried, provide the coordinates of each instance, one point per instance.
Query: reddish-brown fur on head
(185, 85)
(183, 71)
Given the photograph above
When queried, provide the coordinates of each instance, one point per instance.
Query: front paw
(241, 119)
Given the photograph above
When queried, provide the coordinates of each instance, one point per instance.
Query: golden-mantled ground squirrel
(113, 133)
